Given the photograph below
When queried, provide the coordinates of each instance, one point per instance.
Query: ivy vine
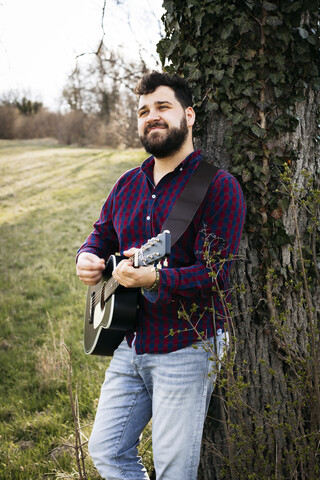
(252, 61)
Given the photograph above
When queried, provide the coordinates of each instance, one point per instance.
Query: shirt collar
(191, 160)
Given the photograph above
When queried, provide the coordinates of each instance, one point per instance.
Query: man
(156, 371)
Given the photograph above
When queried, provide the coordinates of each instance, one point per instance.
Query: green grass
(50, 197)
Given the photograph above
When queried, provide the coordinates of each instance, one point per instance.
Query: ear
(190, 116)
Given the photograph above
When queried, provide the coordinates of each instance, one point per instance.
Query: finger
(91, 283)
(92, 266)
(89, 259)
(97, 263)
(90, 279)
(89, 273)
(123, 266)
(130, 252)
(122, 272)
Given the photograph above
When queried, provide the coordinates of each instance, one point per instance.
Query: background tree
(100, 97)
(28, 107)
(254, 70)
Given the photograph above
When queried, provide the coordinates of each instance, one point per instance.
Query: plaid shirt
(134, 212)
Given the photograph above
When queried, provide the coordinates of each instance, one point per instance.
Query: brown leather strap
(189, 201)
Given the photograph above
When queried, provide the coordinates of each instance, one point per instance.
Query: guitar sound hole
(93, 295)
(102, 301)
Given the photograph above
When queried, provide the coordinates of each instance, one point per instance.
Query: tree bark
(273, 356)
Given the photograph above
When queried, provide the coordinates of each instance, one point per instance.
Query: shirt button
(154, 196)
(148, 218)
(181, 169)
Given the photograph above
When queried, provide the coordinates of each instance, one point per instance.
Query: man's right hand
(89, 268)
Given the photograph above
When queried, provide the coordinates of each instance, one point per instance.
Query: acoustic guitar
(111, 308)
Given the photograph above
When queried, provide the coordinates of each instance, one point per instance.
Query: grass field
(50, 197)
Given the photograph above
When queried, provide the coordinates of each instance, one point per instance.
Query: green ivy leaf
(257, 168)
(189, 51)
(247, 91)
(262, 106)
(276, 77)
(244, 24)
(168, 5)
(246, 176)
(241, 103)
(274, 21)
(237, 118)
(250, 4)
(313, 39)
(284, 203)
(249, 75)
(281, 238)
(269, 6)
(199, 15)
(251, 155)
(265, 233)
(258, 131)
(212, 106)
(295, 6)
(227, 30)
(226, 108)
(218, 74)
(163, 48)
(195, 74)
(303, 33)
(278, 92)
(285, 37)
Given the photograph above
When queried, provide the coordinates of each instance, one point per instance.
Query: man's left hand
(130, 277)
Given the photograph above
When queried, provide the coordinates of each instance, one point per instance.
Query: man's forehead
(162, 94)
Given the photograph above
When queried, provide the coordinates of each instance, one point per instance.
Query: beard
(163, 146)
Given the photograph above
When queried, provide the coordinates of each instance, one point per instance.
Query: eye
(142, 113)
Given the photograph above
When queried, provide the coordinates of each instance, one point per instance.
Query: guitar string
(108, 288)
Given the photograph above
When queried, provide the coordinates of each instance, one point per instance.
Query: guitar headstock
(155, 249)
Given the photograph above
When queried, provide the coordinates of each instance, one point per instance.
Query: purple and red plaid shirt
(135, 211)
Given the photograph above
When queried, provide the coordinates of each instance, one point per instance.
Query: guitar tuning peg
(159, 266)
(165, 263)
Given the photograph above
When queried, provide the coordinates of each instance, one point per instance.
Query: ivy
(252, 62)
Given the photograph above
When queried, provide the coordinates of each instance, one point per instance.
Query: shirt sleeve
(215, 247)
(103, 240)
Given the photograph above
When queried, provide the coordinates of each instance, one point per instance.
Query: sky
(40, 40)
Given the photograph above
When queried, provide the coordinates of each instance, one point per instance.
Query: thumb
(130, 252)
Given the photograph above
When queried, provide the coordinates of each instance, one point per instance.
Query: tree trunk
(268, 429)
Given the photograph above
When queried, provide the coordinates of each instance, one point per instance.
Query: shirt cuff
(151, 296)
(168, 285)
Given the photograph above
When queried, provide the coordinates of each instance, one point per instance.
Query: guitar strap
(189, 201)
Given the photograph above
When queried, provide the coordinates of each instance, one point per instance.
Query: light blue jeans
(174, 389)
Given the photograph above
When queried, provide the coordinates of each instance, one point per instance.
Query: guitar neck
(153, 255)
(109, 288)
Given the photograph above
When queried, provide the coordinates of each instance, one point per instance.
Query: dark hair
(152, 80)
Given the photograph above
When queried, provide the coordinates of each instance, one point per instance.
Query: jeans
(174, 389)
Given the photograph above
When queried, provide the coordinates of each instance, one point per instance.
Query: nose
(153, 116)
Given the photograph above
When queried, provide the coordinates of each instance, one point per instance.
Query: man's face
(162, 123)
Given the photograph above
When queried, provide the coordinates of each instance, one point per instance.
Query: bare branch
(101, 43)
